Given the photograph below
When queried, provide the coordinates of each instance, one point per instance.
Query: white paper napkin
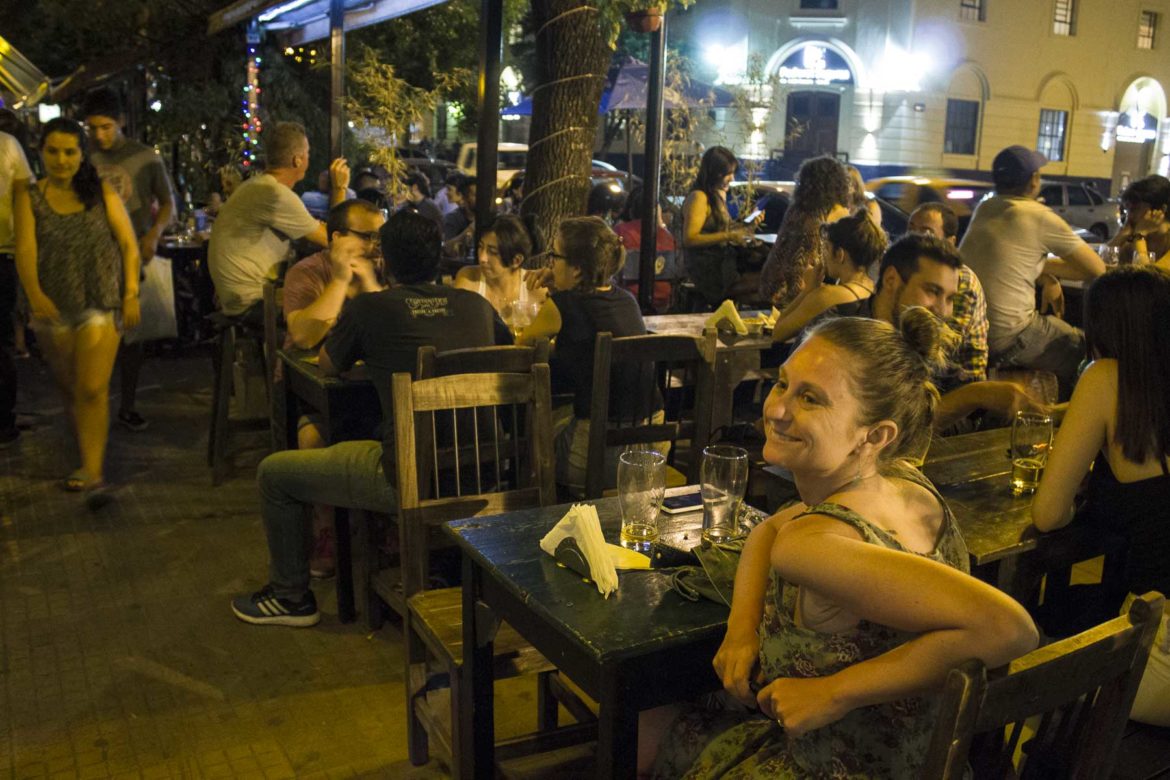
(727, 311)
(584, 527)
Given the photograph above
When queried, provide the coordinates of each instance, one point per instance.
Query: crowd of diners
(850, 605)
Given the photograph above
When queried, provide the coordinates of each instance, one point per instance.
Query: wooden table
(643, 647)
(329, 396)
(194, 292)
(735, 356)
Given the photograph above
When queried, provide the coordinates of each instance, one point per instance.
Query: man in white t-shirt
(1013, 243)
(14, 172)
(255, 228)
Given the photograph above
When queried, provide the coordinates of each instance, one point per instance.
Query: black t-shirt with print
(386, 329)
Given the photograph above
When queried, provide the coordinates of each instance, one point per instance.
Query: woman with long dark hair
(78, 262)
(1117, 430)
(822, 195)
(709, 236)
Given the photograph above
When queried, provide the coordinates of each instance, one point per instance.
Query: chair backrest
(481, 360)
(490, 432)
(1082, 688)
(678, 369)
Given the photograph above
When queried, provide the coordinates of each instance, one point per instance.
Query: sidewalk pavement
(119, 654)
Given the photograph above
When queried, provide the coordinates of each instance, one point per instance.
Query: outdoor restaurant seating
(1082, 688)
(680, 369)
(517, 477)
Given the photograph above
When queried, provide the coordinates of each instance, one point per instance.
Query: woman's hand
(131, 315)
(736, 661)
(1150, 221)
(801, 705)
(42, 308)
(541, 277)
(813, 276)
(739, 235)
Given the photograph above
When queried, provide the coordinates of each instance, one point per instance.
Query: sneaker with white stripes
(264, 607)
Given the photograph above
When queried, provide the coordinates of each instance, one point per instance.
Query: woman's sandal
(98, 495)
(76, 482)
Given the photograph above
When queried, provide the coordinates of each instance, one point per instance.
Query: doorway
(811, 126)
(1130, 162)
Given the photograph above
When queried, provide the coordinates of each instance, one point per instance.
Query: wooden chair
(518, 478)
(679, 368)
(385, 585)
(1082, 688)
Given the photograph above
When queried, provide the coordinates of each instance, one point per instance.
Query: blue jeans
(348, 474)
(1047, 343)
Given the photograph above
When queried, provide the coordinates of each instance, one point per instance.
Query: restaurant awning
(303, 21)
(20, 77)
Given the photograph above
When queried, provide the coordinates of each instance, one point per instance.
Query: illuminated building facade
(945, 84)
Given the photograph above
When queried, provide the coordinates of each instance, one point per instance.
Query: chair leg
(222, 406)
(456, 679)
(370, 554)
(546, 702)
(415, 680)
(216, 370)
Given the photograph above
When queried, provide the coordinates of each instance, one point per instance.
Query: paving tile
(119, 655)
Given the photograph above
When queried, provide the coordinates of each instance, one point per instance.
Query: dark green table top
(643, 616)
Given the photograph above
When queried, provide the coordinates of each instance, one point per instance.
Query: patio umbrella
(626, 86)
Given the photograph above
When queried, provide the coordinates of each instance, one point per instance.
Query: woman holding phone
(710, 237)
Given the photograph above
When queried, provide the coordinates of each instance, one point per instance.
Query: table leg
(291, 411)
(723, 394)
(617, 730)
(476, 706)
(345, 608)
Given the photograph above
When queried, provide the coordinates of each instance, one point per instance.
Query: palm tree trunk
(572, 58)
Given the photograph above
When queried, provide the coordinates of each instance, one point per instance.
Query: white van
(511, 159)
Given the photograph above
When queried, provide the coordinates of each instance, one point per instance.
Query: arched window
(1057, 101)
(965, 98)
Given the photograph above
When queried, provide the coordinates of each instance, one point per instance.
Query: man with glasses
(315, 291)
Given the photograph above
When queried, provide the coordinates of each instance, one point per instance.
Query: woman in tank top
(78, 262)
(709, 236)
(852, 246)
(1117, 430)
(500, 277)
(851, 605)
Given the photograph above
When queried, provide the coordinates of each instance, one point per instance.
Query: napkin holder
(570, 555)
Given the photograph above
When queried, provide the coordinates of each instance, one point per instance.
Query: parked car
(1082, 207)
(910, 192)
(510, 160)
(601, 172)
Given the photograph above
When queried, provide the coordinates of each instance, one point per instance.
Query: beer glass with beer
(1031, 441)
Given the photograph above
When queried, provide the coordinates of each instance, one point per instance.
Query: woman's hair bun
(928, 336)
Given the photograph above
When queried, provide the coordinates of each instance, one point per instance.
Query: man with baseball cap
(1013, 243)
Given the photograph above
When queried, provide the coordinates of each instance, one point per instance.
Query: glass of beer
(1031, 442)
(723, 482)
(641, 484)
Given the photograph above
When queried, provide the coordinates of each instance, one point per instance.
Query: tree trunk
(572, 59)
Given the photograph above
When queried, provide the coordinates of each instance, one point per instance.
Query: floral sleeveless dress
(79, 264)
(883, 741)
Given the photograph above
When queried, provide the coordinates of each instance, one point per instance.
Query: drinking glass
(641, 483)
(1109, 255)
(723, 480)
(519, 315)
(1031, 442)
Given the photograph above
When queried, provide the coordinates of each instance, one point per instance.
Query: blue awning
(303, 21)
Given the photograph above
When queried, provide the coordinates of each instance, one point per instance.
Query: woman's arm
(1080, 438)
(737, 655)
(807, 306)
(123, 231)
(545, 325)
(695, 210)
(42, 308)
(956, 616)
(467, 279)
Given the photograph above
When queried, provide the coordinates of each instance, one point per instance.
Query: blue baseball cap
(1015, 165)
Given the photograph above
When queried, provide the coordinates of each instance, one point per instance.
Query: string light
(251, 109)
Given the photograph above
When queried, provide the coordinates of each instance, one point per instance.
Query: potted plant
(646, 20)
